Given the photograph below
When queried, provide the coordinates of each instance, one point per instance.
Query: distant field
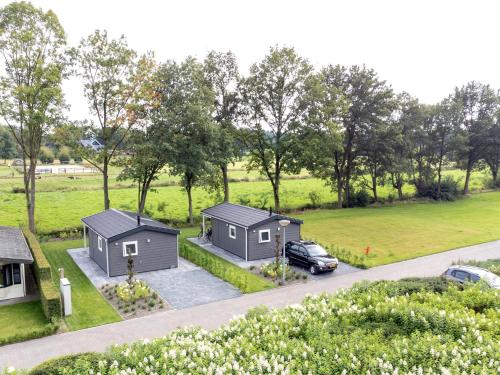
(70, 200)
(406, 231)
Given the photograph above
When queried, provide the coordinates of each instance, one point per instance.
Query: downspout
(107, 257)
(246, 244)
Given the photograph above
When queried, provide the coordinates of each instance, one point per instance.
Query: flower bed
(133, 300)
(274, 272)
(370, 329)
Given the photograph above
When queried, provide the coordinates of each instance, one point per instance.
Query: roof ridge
(122, 213)
(250, 207)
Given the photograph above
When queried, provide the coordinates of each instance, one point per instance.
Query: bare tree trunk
(226, 182)
(467, 177)
(190, 203)
(105, 178)
(340, 192)
(31, 204)
(276, 193)
(494, 175)
(439, 177)
(374, 188)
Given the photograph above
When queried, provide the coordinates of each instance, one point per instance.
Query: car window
(474, 277)
(316, 250)
(461, 275)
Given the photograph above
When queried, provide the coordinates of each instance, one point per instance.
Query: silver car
(463, 273)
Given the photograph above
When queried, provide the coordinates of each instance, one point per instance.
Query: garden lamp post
(284, 223)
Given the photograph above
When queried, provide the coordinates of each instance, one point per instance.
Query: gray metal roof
(113, 224)
(244, 216)
(13, 246)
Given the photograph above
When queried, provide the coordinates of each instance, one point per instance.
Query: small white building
(15, 258)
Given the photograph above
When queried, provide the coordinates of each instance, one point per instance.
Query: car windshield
(316, 250)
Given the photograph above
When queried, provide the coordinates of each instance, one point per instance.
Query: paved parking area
(185, 286)
(342, 269)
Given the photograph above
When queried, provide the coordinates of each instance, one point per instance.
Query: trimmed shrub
(46, 330)
(359, 198)
(450, 189)
(72, 362)
(46, 155)
(64, 155)
(242, 279)
(49, 294)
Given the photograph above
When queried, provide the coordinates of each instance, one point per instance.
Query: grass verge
(89, 307)
(23, 321)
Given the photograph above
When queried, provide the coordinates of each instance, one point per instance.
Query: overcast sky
(423, 47)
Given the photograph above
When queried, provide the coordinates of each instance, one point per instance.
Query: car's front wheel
(313, 270)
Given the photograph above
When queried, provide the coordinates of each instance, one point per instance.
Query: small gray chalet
(114, 234)
(246, 231)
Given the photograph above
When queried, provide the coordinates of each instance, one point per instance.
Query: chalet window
(264, 235)
(130, 248)
(99, 243)
(232, 231)
(16, 272)
(5, 275)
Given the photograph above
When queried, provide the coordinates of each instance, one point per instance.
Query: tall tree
(274, 98)
(8, 148)
(114, 83)
(374, 156)
(406, 120)
(185, 116)
(442, 118)
(221, 70)
(32, 45)
(477, 106)
(491, 152)
(368, 101)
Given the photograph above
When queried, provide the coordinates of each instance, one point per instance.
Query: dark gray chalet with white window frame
(246, 231)
(113, 234)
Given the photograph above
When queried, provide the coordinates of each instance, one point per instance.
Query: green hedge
(46, 330)
(61, 365)
(50, 296)
(242, 279)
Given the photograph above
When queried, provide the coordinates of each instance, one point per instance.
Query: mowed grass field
(405, 231)
(90, 309)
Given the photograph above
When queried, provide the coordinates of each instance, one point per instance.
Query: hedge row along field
(382, 328)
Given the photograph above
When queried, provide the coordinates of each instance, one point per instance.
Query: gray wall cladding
(159, 253)
(258, 250)
(97, 255)
(220, 238)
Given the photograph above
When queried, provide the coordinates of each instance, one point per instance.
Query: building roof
(13, 246)
(113, 224)
(244, 216)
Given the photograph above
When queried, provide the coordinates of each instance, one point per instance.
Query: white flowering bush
(138, 290)
(364, 330)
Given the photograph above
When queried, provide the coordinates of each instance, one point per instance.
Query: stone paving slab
(185, 286)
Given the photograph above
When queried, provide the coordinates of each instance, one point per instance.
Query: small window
(264, 235)
(232, 231)
(99, 243)
(130, 248)
(16, 271)
(461, 275)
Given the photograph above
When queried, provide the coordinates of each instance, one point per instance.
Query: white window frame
(99, 242)
(124, 248)
(232, 227)
(268, 231)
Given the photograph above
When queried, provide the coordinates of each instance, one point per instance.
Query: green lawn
(21, 319)
(408, 230)
(89, 307)
(62, 210)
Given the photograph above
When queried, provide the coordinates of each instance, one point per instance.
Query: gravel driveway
(185, 286)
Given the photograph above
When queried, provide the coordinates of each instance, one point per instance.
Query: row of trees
(343, 124)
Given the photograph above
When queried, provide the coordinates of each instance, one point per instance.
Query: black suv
(311, 256)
